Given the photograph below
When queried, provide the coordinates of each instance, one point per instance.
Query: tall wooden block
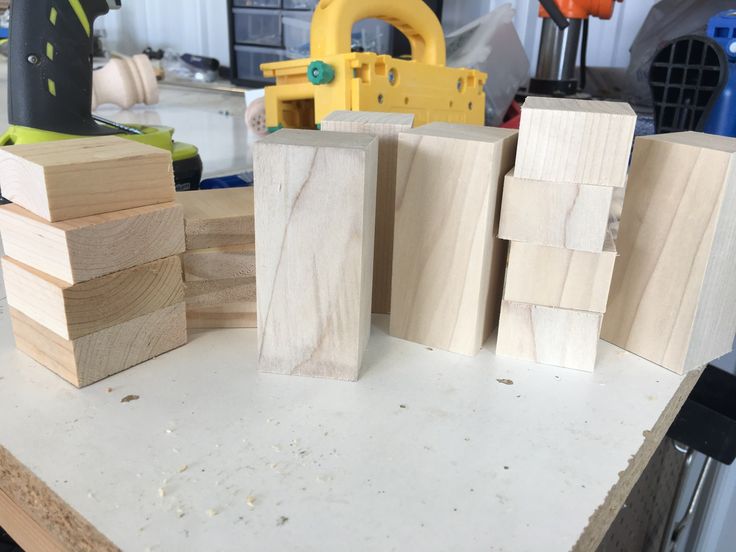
(70, 179)
(574, 216)
(98, 355)
(315, 217)
(673, 297)
(558, 277)
(212, 293)
(560, 337)
(220, 263)
(386, 126)
(86, 248)
(448, 266)
(580, 141)
(74, 311)
(240, 314)
(218, 218)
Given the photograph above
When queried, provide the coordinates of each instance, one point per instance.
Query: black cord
(584, 55)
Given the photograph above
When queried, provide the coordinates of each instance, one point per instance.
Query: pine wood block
(558, 277)
(93, 357)
(71, 179)
(580, 141)
(574, 216)
(560, 337)
(218, 218)
(673, 296)
(75, 310)
(386, 126)
(448, 266)
(211, 293)
(219, 263)
(86, 248)
(315, 218)
(241, 314)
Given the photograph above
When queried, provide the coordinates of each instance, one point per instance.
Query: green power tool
(50, 83)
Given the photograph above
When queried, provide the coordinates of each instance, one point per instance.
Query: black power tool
(50, 83)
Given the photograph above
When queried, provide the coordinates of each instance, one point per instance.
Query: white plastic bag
(667, 20)
(491, 44)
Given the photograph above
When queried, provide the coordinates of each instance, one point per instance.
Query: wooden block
(217, 218)
(219, 263)
(73, 311)
(574, 216)
(89, 359)
(70, 179)
(557, 277)
(315, 206)
(560, 337)
(580, 141)
(386, 126)
(211, 293)
(448, 266)
(673, 295)
(86, 248)
(241, 314)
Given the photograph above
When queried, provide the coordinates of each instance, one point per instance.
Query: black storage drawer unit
(248, 61)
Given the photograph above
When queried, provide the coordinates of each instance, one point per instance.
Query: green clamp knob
(320, 72)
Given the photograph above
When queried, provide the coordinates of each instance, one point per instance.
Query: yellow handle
(332, 26)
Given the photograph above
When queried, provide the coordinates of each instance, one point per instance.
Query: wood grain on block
(546, 335)
(95, 356)
(574, 216)
(315, 218)
(81, 249)
(448, 266)
(386, 126)
(219, 263)
(76, 310)
(211, 293)
(674, 291)
(580, 141)
(241, 314)
(216, 218)
(558, 277)
(70, 179)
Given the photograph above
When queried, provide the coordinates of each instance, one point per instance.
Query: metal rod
(558, 51)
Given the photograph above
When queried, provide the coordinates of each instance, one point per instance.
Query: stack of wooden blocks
(92, 272)
(219, 262)
(555, 211)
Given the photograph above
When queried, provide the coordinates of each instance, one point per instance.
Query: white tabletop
(211, 120)
(428, 451)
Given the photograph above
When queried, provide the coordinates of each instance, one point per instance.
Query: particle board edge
(63, 524)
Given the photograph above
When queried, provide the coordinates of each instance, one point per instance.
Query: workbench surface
(428, 451)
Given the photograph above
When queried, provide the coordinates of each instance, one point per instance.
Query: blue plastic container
(722, 120)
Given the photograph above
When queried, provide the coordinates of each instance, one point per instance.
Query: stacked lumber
(219, 263)
(673, 292)
(386, 127)
(572, 155)
(448, 265)
(92, 272)
(315, 196)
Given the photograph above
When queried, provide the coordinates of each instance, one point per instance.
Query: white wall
(200, 26)
(609, 41)
(187, 26)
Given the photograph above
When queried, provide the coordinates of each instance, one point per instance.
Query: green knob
(320, 72)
